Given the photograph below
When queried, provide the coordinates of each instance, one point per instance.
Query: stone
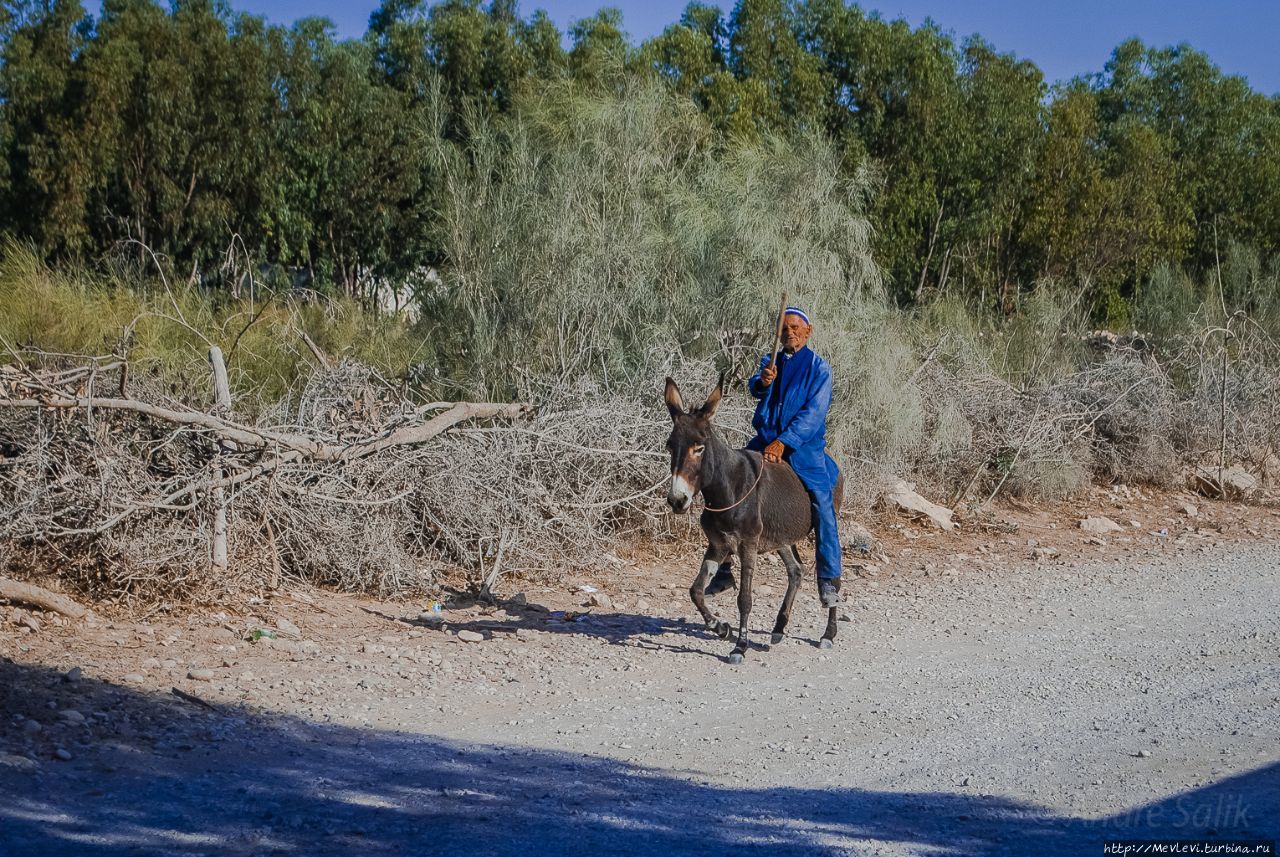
(63, 754)
(903, 497)
(134, 678)
(31, 727)
(1236, 482)
(288, 628)
(71, 716)
(1043, 553)
(855, 537)
(18, 763)
(1099, 525)
(200, 675)
(1189, 509)
(470, 637)
(151, 664)
(599, 599)
(30, 622)
(73, 675)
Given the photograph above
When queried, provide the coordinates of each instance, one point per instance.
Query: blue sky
(1063, 37)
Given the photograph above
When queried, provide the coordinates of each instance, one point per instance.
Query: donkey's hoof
(775, 639)
(723, 630)
(735, 658)
(824, 643)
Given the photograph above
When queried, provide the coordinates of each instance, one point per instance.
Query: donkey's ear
(708, 409)
(675, 403)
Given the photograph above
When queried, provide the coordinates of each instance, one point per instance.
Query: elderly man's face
(795, 333)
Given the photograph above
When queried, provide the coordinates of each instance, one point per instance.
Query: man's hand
(768, 374)
(773, 452)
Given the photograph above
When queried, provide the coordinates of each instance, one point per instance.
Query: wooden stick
(193, 699)
(274, 583)
(222, 394)
(26, 593)
(777, 334)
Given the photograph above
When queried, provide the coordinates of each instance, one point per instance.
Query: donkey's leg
(794, 574)
(830, 633)
(747, 561)
(697, 592)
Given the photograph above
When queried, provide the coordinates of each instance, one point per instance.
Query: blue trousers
(819, 480)
(827, 532)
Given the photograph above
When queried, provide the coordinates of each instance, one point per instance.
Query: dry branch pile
(1132, 417)
(114, 487)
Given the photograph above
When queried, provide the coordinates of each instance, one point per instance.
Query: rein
(744, 496)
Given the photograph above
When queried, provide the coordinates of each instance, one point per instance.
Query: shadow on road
(644, 630)
(151, 774)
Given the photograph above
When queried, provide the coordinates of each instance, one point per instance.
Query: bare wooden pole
(274, 582)
(777, 334)
(221, 387)
(222, 395)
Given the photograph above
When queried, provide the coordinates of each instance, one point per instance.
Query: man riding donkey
(791, 425)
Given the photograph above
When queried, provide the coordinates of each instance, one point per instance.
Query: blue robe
(793, 409)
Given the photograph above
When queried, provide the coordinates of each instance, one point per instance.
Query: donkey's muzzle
(680, 495)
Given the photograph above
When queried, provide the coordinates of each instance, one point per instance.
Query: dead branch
(193, 699)
(37, 596)
(321, 357)
(308, 447)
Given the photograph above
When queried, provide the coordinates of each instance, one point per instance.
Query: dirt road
(1021, 708)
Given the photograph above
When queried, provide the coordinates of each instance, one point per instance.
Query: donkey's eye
(697, 450)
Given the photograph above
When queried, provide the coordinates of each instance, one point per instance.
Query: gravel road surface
(1039, 709)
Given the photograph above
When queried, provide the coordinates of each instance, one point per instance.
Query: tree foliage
(171, 133)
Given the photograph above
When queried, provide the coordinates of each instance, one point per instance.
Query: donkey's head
(688, 443)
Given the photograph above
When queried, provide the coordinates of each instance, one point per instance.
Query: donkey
(752, 506)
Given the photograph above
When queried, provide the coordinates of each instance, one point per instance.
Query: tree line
(193, 134)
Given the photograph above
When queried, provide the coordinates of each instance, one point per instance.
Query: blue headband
(794, 310)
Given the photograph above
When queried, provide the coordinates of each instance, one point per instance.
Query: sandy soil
(1022, 687)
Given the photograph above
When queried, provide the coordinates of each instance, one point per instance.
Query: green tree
(693, 57)
(1107, 207)
(542, 42)
(764, 49)
(47, 176)
(358, 165)
(600, 50)
(1217, 129)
